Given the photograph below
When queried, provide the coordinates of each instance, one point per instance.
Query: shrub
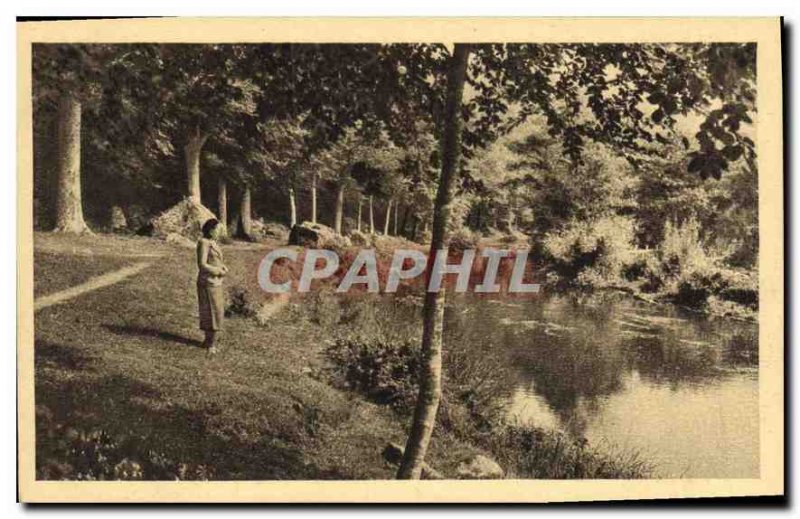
(694, 278)
(682, 249)
(385, 371)
(462, 239)
(98, 456)
(603, 245)
(643, 267)
(537, 453)
(240, 302)
(694, 288)
(381, 361)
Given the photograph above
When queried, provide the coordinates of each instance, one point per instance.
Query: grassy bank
(123, 390)
(379, 359)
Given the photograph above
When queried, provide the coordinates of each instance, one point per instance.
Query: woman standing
(211, 272)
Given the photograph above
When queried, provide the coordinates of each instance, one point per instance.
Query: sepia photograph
(288, 251)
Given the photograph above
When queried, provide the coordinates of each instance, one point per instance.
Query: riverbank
(123, 390)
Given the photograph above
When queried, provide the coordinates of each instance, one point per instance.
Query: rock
(118, 221)
(179, 240)
(480, 467)
(275, 230)
(186, 218)
(309, 234)
(393, 453)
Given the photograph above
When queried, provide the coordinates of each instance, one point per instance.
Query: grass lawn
(123, 389)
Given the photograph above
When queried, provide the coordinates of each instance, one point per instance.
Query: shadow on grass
(142, 423)
(143, 331)
(59, 356)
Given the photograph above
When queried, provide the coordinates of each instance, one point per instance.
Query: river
(678, 388)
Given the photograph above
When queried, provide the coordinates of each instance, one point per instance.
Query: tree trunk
(430, 379)
(404, 221)
(414, 228)
(371, 217)
(337, 223)
(192, 150)
(292, 208)
(245, 214)
(388, 218)
(69, 208)
(222, 201)
(360, 203)
(396, 206)
(314, 197)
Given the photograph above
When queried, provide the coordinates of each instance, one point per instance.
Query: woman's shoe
(212, 350)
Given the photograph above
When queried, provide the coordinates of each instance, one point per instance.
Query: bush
(240, 302)
(381, 362)
(644, 267)
(693, 278)
(462, 239)
(97, 456)
(602, 245)
(682, 250)
(697, 288)
(385, 371)
(537, 453)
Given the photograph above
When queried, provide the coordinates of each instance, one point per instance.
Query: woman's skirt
(211, 300)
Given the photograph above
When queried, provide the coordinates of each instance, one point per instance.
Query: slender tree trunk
(245, 214)
(388, 218)
(396, 207)
(360, 203)
(337, 223)
(404, 221)
(512, 215)
(371, 217)
(69, 208)
(192, 150)
(292, 208)
(222, 201)
(314, 197)
(414, 228)
(430, 380)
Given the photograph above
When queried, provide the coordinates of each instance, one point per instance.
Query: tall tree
(286, 157)
(205, 92)
(67, 77)
(430, 389)
(361, 148)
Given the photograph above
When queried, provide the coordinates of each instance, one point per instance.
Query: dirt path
(93, 284)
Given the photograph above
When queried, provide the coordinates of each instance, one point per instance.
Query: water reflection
(679, 388)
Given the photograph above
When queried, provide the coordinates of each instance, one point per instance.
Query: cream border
(764, 31)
